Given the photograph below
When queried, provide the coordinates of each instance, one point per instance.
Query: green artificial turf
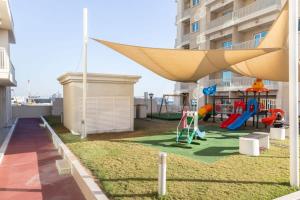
(215, 146)
(128, 168)
(166, 116)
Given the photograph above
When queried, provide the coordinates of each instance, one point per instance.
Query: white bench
(251, 144)
(277, 133)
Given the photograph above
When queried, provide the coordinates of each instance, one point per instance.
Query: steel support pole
(293, 93)
(84, 66)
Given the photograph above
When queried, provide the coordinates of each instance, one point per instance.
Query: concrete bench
(277, 133)
(252, 143)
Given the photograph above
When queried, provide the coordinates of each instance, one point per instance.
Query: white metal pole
(84, 78)
(293, 93)
(198, 96)
(162, 174)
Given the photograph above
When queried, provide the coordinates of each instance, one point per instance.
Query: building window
(226, 76)
(259, 37)
(267, 82)
(196, 2)
(227, 45)
(195, 27)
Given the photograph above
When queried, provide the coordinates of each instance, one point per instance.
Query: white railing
(4, 59)
(254, 7)
(245, 11)
(239, 83)
(7, 69)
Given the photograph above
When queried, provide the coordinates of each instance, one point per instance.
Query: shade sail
(269, 61)
(272, 66)
(185, 65)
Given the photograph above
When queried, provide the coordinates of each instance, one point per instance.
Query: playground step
(63, 167)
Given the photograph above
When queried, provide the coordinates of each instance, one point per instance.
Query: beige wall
(31, 111)
(110, 103)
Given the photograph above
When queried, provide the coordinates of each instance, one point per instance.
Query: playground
(126, 163)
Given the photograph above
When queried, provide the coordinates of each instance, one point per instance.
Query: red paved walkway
(28, 169)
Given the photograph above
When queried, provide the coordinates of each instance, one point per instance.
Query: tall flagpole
(84, 81)
(293, 93)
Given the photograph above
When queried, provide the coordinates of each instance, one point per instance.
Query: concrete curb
(7, 139)
(85, 181)
(292, 196)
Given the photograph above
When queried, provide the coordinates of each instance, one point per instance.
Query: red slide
(270, 120)
(228, 121)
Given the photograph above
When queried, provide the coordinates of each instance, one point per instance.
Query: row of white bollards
(162, 174)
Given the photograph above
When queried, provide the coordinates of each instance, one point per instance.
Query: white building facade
(7, 70)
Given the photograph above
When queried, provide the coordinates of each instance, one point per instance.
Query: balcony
(184, 87)
(184, 40)
(256, 7)
(250, 44)
(220, 5)
(220, 21)
(7, 70)
(239, 83)
(208, 2)
(253, 10)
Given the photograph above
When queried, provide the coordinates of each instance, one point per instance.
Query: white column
(84, 78)
(293, 91)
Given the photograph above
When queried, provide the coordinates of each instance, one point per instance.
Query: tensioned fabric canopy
(274, 65)
(268, 61)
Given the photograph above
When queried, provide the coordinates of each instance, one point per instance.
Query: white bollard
(162, 174)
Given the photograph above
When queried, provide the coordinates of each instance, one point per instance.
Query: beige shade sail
(185, 65)
(269, 61)
(272, 66)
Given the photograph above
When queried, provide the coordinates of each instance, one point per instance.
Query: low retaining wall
(30, 111)
(6, 141)
(81, 175)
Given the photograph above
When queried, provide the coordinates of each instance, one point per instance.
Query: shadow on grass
(144, 195)
(217, 151)
(160, 143)
(198, 180)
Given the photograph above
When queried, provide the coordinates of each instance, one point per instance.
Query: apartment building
(226, 24)
(7, 71)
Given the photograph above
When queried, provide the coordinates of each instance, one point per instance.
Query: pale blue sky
(49, 40)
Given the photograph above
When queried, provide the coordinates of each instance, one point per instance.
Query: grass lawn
(126, 164)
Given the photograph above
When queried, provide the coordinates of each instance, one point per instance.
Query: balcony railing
(7, 70)
(220, 20)
(220, 4)
(207, 2)
(250, 44)
(185, 39)
(254, 7)
(239, 83)
(184, 87)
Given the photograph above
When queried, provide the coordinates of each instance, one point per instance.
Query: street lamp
(151, 97)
